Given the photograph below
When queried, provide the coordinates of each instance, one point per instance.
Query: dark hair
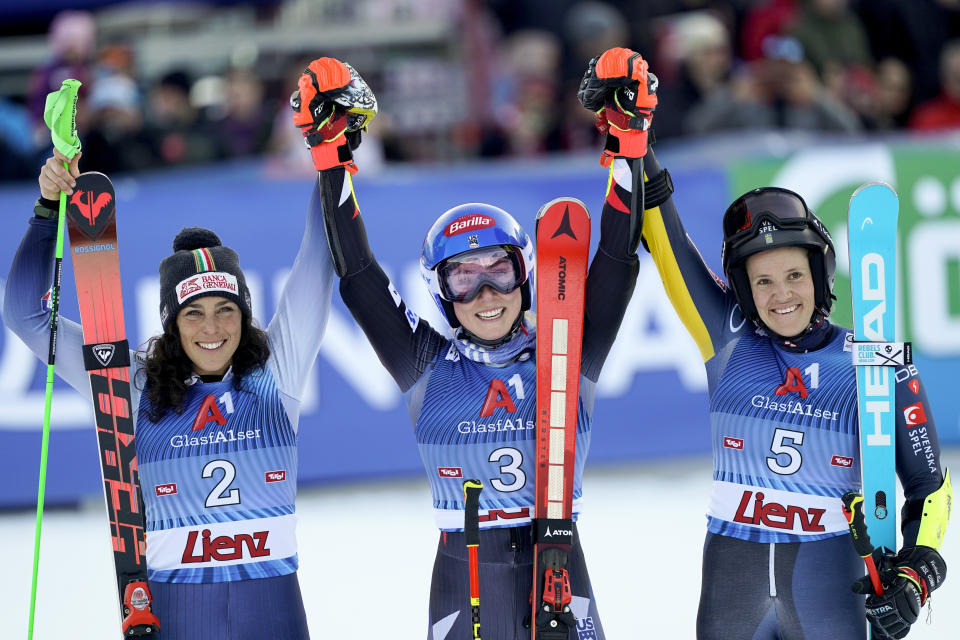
(166, 366)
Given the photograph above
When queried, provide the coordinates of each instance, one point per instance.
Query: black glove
(908, 580)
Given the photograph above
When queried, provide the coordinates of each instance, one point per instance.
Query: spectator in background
(769, 18)
(832, 36)
(589, 29)
(700, 46)
(525, 97)
(17, 151)
(892, 99)
(780, 91)
(116, 140)
(247, 119)
(835, 43)
(914, 31)
(181, 134)
(72, 42)
(943, 112)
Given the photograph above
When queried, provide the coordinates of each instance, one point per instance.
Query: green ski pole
(60, 114)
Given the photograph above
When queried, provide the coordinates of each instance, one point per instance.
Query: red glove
(331, 105)
(620, 89)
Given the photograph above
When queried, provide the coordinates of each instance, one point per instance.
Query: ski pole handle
(471, 522)
(471, 535)
(853, 510)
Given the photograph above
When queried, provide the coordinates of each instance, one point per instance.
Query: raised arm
(31, 275)
(619, 88)
(331, 107)
(297, 327)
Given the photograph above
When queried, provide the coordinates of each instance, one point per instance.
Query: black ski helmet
(769, 218)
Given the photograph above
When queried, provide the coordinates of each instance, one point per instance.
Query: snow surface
(642, 534)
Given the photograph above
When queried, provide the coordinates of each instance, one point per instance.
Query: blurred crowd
(505, 82)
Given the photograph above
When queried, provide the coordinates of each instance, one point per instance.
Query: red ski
(563, 248)
(91, 222)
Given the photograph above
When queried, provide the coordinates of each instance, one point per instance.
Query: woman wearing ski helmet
(215, 404)
(471, 391)
(778, 561)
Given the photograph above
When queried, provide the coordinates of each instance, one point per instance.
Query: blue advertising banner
(652, 399)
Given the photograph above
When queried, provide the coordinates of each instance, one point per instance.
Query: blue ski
(872, 233)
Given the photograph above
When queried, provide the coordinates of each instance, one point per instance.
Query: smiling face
(491, 314)
(210, 329)
(782, 287)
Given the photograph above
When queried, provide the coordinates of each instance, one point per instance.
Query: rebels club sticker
(914, 414)
(204, 282)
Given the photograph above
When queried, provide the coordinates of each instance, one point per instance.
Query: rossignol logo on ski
(89, 205)
(139, 599)
(93, 248)
(103, 353)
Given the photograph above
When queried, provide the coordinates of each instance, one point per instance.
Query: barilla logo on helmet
(470, 222)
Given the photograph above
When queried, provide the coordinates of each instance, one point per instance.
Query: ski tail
(563, 247)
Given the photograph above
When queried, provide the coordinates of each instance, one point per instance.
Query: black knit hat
(200, 266)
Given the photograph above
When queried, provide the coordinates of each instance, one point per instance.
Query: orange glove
(331, 106)
(619, 87)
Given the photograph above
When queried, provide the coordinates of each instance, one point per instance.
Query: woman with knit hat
(217, 406)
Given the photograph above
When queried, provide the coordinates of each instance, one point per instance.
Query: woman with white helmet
(471, 395)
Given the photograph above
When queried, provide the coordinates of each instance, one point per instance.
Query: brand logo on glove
(914, 414)
(469, 223)
(778, 516)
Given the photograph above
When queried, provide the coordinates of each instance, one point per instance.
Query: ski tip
(564, 201)
(874, 186)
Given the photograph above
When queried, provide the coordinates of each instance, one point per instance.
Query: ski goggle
(781, 206)
(462, 276)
